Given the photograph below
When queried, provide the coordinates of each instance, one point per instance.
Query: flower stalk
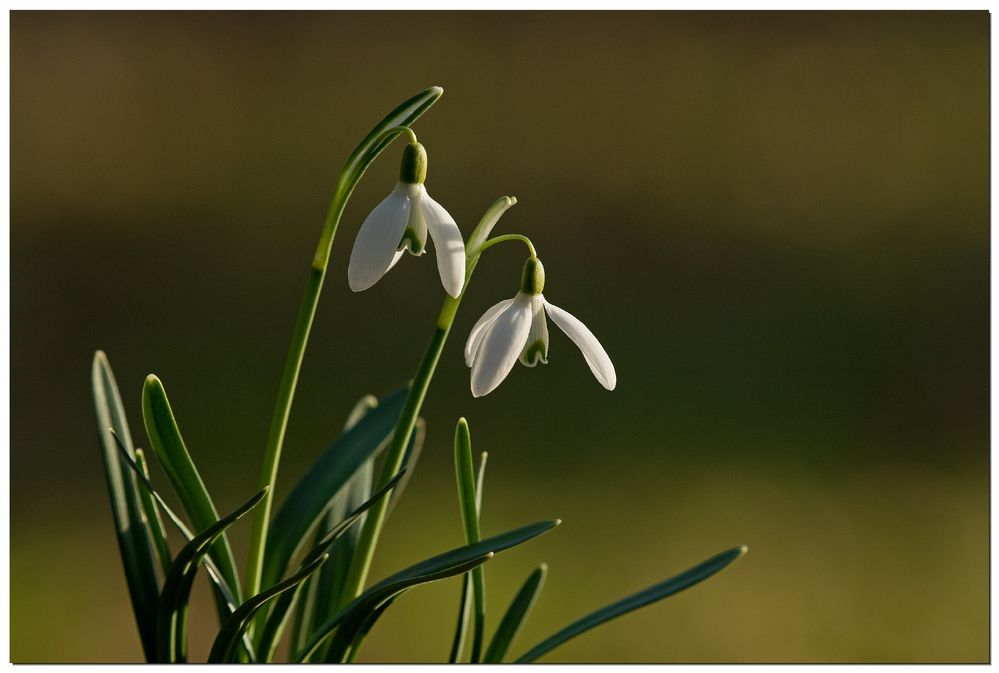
(394, 125)
(364, 551)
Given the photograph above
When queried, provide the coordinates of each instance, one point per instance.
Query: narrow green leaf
(224, 594)
(516, 615)
(225, 647)
(130, 525)
(362, 632)
(409, 461)
(169, 447)
(470, 504)
(320, 485)
(146, 484)
(483, 457)
(271, 632)
(346, 545)
(171, 632)
(464, 617)
(355, 614)
(465, 604)
(314, 597)
(152, 512)
(671, 586)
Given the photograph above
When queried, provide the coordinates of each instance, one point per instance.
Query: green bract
(309, 556)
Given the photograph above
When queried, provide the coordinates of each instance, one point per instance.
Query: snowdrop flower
(400, 224)
(516, 329)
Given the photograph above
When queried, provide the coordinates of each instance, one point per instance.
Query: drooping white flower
(517, 329)
(400, 223)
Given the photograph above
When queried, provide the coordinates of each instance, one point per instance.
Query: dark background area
(776, 223)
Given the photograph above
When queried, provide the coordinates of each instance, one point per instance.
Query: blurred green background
(776, 223)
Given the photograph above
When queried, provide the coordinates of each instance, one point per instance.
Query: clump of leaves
(308, 561)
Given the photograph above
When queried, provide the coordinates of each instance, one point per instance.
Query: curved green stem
(395, 124)
(508, 237)
(344, 188)
(364, 551)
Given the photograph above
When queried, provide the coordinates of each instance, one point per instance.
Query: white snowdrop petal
(479, 329)
(501, 346)
(377, 242)
(448, 245)
(594, 354)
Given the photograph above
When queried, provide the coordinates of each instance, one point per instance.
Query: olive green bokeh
(776, 223)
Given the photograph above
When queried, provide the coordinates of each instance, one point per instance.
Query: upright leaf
(470, 503)
(515, 616)
(275, 622)
(152, 512)
(227, 601)
(226, 645)
(169, 447)
(318, 592)
(131, 526)
(319, 486)
(146, 485)
(171, 632)
(655, 593)
(409, 461)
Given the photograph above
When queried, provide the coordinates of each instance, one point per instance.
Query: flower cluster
(514, 329)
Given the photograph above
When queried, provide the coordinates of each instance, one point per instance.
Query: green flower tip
(414, 164)
(153, 380)
(532, 278)
(437, 91)
(743, 549)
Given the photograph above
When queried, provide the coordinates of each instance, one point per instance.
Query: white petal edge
(377, 242)
(448, 245)
(479, 329)
(501, 346)
(594, 354)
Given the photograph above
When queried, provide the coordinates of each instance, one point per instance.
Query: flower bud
(414, 164)
(532, 279)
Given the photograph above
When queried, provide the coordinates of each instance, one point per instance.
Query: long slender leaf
(226, 643)
(465, 604)
(157, 532)
(171, 632)
(169, 447)
(515, 615)
(326, 608)
(146, 484)
(224, 593)
(362, 632)
(654, 593)
(279, 614)
(315, 491)
(409, 460)
(134, 535)
(469, 504)
(315, 595)
(464, 617)
(355, 614)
